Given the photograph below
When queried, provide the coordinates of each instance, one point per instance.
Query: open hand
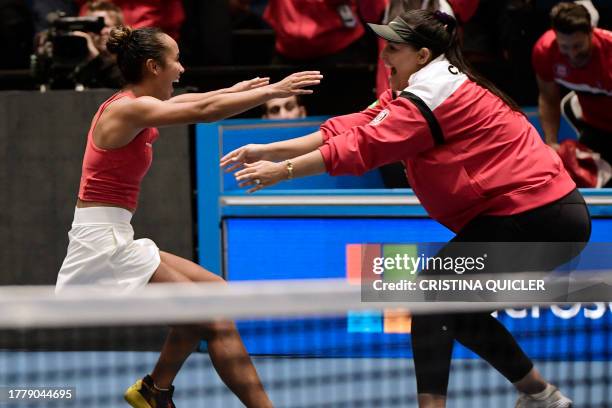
(294, 84)
(250, 153)
(260, 175)
(249, 84)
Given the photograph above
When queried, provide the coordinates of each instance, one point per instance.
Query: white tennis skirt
(102, 251)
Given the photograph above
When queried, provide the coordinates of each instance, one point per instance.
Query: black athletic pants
(565, 220)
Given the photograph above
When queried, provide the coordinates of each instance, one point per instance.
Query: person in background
(284, 108)
(323, 32)
(573, 55)
(167, 15)
(100, 70)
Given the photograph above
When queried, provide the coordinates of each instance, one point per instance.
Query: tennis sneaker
(143, 394)
(551, 397)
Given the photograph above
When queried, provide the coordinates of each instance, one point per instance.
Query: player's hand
(294, 84)
(260, 175)
(250, 153)
(249, 84)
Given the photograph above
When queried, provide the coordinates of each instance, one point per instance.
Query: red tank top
(113, 176)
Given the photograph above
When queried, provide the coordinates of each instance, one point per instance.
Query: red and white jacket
(592, 83)
(307, 29)
(492, 160)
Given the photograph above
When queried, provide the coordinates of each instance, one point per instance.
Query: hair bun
(119, 39)
(445, 19)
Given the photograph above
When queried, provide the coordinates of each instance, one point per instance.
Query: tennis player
(102, 250)
(475, 163)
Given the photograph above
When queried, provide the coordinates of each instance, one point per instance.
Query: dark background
(42, 140)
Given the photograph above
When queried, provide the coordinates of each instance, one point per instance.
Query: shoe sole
(135, 398)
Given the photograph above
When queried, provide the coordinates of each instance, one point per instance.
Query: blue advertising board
(293, 232)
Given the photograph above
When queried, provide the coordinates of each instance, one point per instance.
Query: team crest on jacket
(381, 116)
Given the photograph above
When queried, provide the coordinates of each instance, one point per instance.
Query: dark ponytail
(440, 34)
(133, 48)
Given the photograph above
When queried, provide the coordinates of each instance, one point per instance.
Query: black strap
(434, 126)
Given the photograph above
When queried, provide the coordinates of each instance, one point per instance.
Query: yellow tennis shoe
(143, 394)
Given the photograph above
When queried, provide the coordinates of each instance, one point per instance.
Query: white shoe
(551, 397)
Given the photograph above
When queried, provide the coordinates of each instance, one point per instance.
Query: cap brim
(386, 32)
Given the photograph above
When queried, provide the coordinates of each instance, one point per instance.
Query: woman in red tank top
(117, 156)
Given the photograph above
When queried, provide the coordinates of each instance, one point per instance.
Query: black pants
(433, 336)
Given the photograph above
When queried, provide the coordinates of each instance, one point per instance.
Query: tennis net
(313, 343)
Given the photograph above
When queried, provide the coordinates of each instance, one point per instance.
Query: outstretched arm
(146, 112)
(276, 151)
(355, 151)
(239, 87)
(265, 174)
(287, 149)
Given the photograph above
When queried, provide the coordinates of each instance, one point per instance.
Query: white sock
(542, 395)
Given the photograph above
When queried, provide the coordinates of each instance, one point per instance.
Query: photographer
(100, 69)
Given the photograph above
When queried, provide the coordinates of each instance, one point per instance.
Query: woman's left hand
(261, 174)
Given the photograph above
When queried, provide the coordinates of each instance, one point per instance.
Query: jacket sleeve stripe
(434, 126)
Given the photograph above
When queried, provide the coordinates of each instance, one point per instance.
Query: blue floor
(101, 377)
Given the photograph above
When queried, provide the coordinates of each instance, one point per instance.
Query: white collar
(427, 71)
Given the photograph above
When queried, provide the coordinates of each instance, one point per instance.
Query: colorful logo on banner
(359, 262)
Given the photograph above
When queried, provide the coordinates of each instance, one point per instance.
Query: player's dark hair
(568, 18)
(133, 48)
(437, 31)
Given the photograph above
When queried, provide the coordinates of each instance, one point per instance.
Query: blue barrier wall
(282, 233)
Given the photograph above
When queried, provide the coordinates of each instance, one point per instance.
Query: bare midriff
(85, 204)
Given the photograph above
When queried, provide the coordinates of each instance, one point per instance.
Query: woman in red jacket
(475, 163)
(102, 250)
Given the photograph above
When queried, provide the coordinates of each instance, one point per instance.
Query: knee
(218, 279)
(217, 329)
(208, 277)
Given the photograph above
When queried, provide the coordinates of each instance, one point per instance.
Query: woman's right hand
(249, 84)
(294, 84)
(250, 153)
